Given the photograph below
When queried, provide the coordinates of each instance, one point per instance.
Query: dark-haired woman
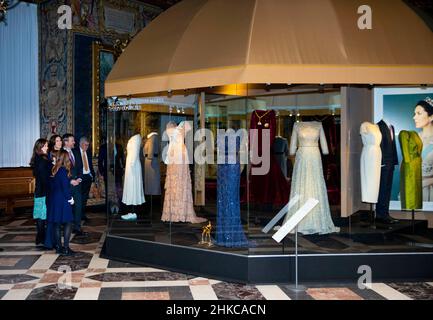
(41, 171)
(60, 203)
(424, 120)
(55, 144)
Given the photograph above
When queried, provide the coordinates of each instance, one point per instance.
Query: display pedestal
(292, 224)
(296, 287)
(413, 221)
(151, 209)
(372, 217)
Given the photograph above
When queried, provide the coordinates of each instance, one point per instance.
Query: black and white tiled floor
(26, 273)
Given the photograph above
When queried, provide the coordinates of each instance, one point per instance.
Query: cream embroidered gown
(307, 178)
(133, 193)
(178, 203)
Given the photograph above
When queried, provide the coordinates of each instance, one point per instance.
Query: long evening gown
(133, 193)
(229, 231)
(271, 188)
(308, 180)
(178, 202)
(410, 170)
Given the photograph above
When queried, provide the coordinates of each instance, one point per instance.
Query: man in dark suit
(389, 161)
(76, 179)
(88, 174)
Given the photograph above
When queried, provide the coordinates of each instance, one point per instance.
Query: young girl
(60, 202)
(41, 172)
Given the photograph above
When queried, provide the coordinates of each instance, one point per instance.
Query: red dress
(272, 188)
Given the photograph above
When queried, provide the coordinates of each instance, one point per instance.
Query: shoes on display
(129, 217)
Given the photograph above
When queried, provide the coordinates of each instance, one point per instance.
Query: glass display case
(195, 178)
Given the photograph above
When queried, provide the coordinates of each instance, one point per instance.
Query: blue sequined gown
(229, 231)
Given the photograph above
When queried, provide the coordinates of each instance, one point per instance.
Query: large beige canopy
(201, 43)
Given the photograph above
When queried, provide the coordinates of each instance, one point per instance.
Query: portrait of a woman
(424, 120)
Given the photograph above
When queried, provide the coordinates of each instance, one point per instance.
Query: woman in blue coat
(54, 145)
(60, 202)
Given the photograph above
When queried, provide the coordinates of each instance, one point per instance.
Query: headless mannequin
(133, 210)
(149, 135)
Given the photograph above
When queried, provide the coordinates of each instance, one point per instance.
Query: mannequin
(133, 193)
(229, 231)
(152, 176)
(389, 161)
(307, 178)
(281, 152)
(371, 158)
(178, 202)
(271, 188)
(410, 171)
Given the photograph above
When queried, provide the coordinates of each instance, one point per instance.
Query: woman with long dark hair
(55, 144)
(41, 171)
(61, 201)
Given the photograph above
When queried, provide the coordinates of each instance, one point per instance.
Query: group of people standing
(64, 175)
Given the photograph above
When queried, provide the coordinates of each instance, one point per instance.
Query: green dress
(410, 170)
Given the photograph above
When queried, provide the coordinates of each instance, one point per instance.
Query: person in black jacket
(41, 171)
(88, 174)
(76, 179)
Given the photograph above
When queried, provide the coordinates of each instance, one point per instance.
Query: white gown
(307, 178)
(133, 193)
(371, 158)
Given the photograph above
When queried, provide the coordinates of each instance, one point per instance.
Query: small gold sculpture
(205, 235)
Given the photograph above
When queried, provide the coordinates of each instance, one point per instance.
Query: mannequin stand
(296, 287)
(372, 217)
(134, 210)
(151, 209)
(413, 221)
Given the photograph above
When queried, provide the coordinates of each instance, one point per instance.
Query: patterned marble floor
(27, 273)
